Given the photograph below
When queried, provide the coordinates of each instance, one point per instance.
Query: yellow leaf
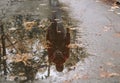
(29, 25)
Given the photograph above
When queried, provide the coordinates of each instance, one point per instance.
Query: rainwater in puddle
(25, 25)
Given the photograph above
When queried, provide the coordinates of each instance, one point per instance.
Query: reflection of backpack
(51, 34)
(58, 57)
(56, 33)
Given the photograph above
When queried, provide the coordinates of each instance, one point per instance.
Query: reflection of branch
(49, 69)
(3, 49)
(0, 58)
(3, 13)
(11, 43)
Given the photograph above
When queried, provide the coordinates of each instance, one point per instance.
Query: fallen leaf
(43, 4)
(118, 13)
(29, 25)
(109, 64)
(115, 6)
(111, 10)
(97, 1)
(72, 29)
(57, 19)
(77, 76)
(12, 29)
(113, 74)
(105, 74)
(64, 8)
(21, 74)
(73, 45)
(85, 76)
(117, 34)
(106, 28)
(67, 81)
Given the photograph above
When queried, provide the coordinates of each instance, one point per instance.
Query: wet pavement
(97, 30)
(98, 27)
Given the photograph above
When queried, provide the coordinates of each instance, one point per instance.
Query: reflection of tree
(21, 42)
(0, 58)
(3, 54)
(25, 65)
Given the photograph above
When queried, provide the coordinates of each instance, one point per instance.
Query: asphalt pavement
(98, 30)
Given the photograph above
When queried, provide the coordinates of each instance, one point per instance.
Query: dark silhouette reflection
(58, 41)
(58, 38)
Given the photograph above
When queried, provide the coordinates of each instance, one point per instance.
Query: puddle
(27, 32)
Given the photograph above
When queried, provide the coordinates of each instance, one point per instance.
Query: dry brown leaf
(43, 4)
(115, 6)
(29, 25)
(67, 81)
(64, 8)
(104, 74)
(21, 74)
(118, 13)
(12, 29)
(73, 45)
(85, 76)
(106, 28)
(117, 34)
(111, 10)
(109, 64)
(97, 1)
(113, 74)
(77, 76)
(73, 29)
(22, 57)
(108, 74)
(17, 58)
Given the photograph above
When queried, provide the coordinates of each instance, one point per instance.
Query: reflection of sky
(53, 74)
(37, 7)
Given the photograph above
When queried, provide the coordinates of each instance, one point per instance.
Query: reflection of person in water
(58, 42)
